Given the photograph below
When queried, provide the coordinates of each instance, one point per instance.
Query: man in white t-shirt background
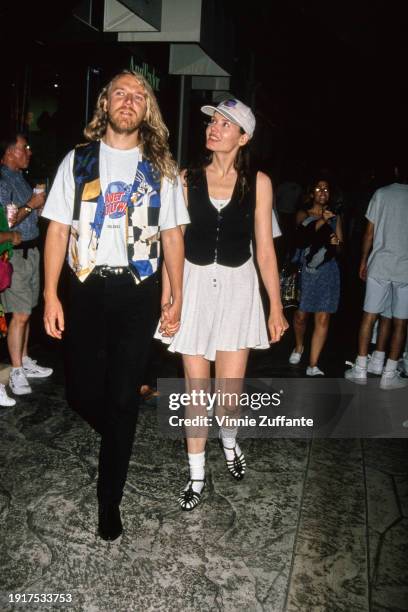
(112, 202)
(384, 267)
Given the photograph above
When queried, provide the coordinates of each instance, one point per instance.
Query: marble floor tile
(401, 483)
(387, 455)
(330, 562)
(383, 505)
(387, 507)
(389, 589)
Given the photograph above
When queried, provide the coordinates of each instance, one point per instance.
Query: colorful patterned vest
(143, 209)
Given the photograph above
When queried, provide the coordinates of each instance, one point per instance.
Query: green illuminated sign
(148, 73)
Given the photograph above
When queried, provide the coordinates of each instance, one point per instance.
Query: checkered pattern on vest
(143, 232)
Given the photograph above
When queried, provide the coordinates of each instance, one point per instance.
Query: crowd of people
(320, 245)
(120, 199)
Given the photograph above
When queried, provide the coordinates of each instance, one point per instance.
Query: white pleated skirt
(222, 311)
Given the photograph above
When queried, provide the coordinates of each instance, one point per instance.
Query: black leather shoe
(110, 524)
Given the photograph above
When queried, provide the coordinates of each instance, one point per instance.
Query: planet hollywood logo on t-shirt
(116, 199)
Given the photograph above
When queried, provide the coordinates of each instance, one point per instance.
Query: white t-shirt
(388, 211)
(117, 174)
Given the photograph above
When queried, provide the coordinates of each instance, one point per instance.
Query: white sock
(362, 361)
(196, 461)
(229, 442)
(391, 365)
(378, 356)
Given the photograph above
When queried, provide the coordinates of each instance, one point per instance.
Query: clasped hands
(170, 319)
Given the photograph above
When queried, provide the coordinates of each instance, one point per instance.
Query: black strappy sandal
(237, 465)
(189, 499)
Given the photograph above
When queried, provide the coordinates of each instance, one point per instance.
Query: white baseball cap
(235, 111)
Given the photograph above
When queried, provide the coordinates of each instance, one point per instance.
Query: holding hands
(170, 319)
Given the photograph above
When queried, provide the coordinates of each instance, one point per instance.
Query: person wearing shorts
(384, 267)
(22, 296)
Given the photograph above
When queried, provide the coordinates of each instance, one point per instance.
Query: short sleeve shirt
(388, 211)
(117, 173)
(14, 188)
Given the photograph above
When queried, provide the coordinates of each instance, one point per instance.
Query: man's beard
(128, 126)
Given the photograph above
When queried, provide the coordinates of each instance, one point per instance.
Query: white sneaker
(356, 374)
(375, 366)
(295, 357)
(33, 370)
(392, 380)
(403, 365)
(5, 400)
(18, 382)
(314, 371)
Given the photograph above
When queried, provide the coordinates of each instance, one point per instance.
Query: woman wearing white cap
(222, 316)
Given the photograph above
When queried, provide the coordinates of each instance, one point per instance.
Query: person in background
(384, 268)
(319, 237)
(22, 296)
(8, 239)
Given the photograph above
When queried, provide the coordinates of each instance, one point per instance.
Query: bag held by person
(290, 284)
(6, 271)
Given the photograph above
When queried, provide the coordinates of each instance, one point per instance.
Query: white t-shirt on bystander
(388, 211)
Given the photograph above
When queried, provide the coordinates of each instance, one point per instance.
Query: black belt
(108, 271)
(26, 245)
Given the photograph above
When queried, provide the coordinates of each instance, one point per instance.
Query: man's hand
(53, 317)
(37, 200)
(15, 238)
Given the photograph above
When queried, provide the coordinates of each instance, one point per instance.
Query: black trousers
(109, 326)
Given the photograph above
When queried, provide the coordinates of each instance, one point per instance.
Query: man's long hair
(153, 133)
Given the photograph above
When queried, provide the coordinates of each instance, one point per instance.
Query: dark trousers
(109, 326)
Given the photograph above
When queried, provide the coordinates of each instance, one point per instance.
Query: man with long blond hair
(112, 201)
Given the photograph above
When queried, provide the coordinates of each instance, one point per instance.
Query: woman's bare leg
(230, 367)
(197, 375)
(321, 327)
(299, 325)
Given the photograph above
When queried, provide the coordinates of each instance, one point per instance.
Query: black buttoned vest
(223, 237)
